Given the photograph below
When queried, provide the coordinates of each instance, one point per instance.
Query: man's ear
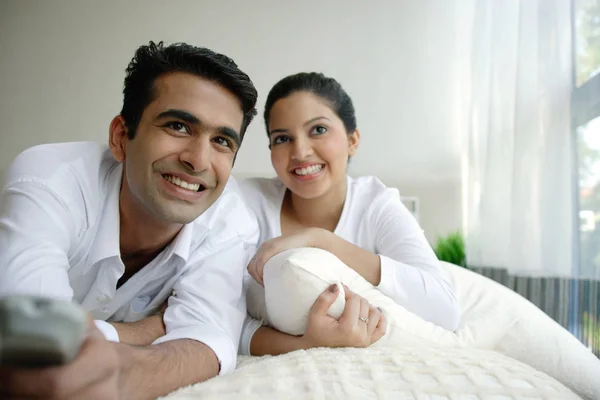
(117, 137)
(353, 142)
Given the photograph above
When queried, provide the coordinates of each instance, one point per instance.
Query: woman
(312, 132)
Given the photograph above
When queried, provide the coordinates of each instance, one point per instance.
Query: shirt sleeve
(209, 304)
(249, 328)
(410, 272)
(37, 228)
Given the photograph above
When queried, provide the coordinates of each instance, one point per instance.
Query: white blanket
(415, 359)
(380, 373)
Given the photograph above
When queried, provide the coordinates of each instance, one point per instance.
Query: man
(122, 229)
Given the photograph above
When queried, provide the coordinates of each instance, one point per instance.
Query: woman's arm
(421, 286)
(407, 269)
(403, 265)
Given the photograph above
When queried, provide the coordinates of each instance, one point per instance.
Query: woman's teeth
(313, 169)
(176, 181)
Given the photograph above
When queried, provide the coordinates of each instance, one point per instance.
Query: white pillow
(493, 316)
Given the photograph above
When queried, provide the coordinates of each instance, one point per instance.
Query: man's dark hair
(153, 60)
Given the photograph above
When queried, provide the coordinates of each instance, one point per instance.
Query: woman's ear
(353, 142)
(117, 137)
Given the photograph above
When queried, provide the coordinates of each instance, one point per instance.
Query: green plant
(451, 248)
(591, 331)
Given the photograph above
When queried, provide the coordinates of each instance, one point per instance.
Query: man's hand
(308, 237)
(359, 326)
(94, 374)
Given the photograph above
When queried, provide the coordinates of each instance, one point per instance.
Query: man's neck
(141, 236)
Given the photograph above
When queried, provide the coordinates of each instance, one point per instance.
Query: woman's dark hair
(153, 60)
(328, 89)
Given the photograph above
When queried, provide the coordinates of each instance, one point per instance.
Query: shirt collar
(183, 242)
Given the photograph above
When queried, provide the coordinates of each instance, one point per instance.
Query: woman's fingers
(380, 329)
(252, 270)
(374, 317)
(364, 313)
(351, 314)
(324, 301)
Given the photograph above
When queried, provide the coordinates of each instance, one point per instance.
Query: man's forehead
(203, 98)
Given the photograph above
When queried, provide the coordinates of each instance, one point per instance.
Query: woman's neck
(322, 212)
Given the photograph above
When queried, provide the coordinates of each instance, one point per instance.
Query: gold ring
(365, 320)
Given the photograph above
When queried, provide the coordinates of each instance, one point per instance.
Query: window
(584, 304)
(586, 124)
(587, 40)
(588, 146)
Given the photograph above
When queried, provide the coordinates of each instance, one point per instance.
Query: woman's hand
(359, 326)
(308, 237)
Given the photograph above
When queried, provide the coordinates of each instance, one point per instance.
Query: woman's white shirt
(375, 219)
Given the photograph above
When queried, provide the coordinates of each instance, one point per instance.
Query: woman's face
(309, 144)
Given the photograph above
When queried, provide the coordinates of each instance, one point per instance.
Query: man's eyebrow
(230, 133)
(192, 119)
(179, 114)
(310, 121)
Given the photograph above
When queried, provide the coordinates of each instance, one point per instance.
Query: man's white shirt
(59, 237)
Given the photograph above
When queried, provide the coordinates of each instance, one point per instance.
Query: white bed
(505, 348)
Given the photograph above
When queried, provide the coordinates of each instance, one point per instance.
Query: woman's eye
(178, 126)
(280, 139)
(319, 130)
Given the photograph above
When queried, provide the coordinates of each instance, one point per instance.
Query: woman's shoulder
(260, 190)
(370, 199)
(369, 189)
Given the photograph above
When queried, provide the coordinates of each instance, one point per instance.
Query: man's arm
(178, 363)
(37, 228)
(112, 371)
(209, 306)
(141, 333)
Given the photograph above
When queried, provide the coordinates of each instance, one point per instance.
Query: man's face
(180, 159)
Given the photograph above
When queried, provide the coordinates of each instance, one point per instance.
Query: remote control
(40, 332)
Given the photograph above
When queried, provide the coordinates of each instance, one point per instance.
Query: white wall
(62, 66)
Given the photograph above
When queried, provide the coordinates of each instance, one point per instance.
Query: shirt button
(103, 298)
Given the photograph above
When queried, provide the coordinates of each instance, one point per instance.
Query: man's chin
(180, 214)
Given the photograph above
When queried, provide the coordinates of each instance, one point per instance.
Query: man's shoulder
(43, 163)
(77, 174)
(229, 217)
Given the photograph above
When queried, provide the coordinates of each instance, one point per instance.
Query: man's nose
(196, 155)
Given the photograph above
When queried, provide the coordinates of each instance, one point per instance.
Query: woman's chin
(307, 190)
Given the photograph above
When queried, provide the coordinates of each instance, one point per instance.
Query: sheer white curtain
(515, 80)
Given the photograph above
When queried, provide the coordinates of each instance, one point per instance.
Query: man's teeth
(313, 169)
(176, 181)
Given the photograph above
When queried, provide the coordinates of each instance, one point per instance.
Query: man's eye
(223, 142)
(178, 126)
(319, 130)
